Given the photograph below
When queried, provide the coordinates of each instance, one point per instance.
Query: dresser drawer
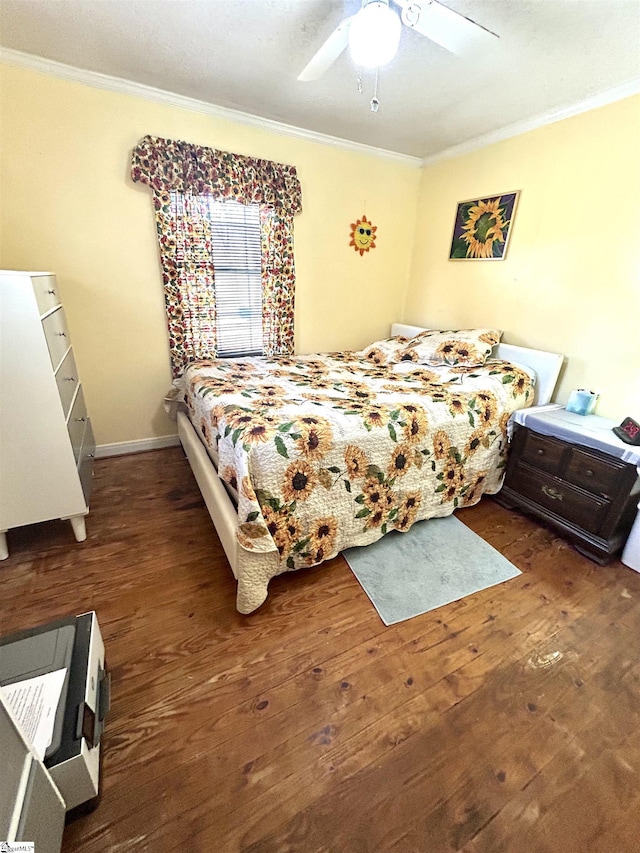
(46, 291)
(543, 452)
(57, 335)
(67, 381)
(85, 462)
(575, 505)
(76, 423)
(596, 474)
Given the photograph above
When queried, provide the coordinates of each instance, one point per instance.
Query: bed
(300, 457)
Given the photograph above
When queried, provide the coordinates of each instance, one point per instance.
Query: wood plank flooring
(504, 723)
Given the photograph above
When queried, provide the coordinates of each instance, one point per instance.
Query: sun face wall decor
(363, 235)
(482, 228)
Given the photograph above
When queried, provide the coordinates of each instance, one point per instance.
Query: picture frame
(482, 227)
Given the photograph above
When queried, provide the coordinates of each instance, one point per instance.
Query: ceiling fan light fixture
(374, 35)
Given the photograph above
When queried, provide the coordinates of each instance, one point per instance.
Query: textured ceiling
(246, 55)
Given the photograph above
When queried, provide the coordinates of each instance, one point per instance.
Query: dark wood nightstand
(589, 494)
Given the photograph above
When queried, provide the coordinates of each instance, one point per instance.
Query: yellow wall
(570, 283)
(68, 205)
(571, 279)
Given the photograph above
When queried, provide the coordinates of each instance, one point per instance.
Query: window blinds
(237, 259)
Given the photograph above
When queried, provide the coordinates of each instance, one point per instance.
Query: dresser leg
(4, 549)
(79, 527)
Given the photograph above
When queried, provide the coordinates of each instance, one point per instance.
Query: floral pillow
(463, 347)
(386, 351)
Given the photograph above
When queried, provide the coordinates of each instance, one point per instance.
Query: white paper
(34, 703)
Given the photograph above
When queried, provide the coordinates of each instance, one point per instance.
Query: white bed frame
(246, 564)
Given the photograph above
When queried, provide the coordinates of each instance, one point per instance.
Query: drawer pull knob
(61, 334)
(552, 493)
(51, 292)
(589, 472)
(70, 379)
(540, 452)
(81, 420)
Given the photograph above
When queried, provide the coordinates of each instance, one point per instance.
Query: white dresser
(46, 441)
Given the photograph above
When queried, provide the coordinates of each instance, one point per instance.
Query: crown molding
(149, 93)
(609, 96)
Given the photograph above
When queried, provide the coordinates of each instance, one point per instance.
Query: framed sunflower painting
(482, 228)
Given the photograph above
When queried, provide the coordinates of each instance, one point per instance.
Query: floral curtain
(183, 178)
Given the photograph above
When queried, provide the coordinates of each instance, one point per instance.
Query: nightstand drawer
(543, 452)
(598, 475)
(572, 504)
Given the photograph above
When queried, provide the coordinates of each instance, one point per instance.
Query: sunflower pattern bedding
(327, 452)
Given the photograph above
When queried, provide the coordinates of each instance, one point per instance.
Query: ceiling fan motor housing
(374, 34)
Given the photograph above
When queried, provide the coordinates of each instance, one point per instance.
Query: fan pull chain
(375, 103)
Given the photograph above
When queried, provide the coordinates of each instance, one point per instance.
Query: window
(236, 298)
(236, 248)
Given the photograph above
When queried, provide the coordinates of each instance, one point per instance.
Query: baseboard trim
(120, 448)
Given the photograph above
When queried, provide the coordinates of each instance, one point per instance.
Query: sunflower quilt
(327, 452)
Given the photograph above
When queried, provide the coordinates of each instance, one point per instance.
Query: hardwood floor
(504, 723)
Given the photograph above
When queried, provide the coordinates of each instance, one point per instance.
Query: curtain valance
(168, 165)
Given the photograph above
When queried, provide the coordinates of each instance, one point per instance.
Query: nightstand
(572, 472)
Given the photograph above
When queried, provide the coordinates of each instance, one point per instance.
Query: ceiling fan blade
(447, 28)
(328, 53)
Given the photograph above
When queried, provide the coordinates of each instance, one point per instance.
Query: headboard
(545, 364)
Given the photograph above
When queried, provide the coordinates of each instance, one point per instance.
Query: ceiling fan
(373, 33)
